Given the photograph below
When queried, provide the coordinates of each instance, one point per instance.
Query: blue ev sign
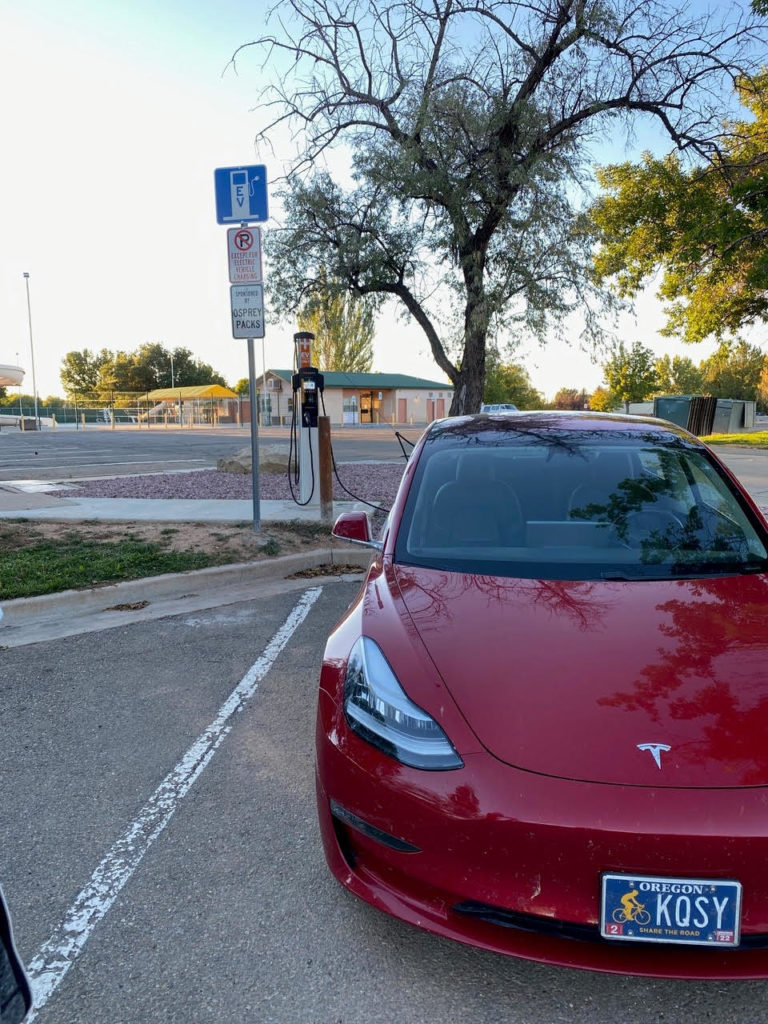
(241, 194)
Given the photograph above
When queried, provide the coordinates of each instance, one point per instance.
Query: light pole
(32, 351)
(172, 378)
(21, 410)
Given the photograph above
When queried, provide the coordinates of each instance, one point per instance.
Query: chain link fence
(134, 409)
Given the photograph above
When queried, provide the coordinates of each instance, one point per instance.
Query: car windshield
(558, 504)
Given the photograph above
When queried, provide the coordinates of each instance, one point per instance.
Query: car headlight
(379, 711)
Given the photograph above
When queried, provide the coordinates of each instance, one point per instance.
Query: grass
(70, 563)
(45, 559)
(757, 439)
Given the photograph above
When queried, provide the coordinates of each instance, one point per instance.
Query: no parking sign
(244, 248)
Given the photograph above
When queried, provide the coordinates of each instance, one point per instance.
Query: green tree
(601, 400)
(54, 402)
(468, 126)
(704, 227)
(116, 375)
(243, 386)
(664, 376)
(343, 326)
(148, 368)
(570, 398)
(79, 372)
(734, 371)
(27, 401)
(509, 382)
(630, 374)
(678, 376)
(188, 371)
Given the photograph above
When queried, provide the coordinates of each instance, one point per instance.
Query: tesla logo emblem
(655, 749)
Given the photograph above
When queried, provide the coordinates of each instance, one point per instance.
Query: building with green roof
(361, 398)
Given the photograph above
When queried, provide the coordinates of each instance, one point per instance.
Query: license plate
(690, 911)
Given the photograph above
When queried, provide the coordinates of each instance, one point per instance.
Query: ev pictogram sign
(241, 194)
(244, 247)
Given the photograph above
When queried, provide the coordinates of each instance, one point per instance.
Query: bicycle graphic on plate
(631, 910)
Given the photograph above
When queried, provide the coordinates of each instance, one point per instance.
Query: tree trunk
(469, 387)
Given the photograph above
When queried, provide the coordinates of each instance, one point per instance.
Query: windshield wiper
(718, 568)
(629, 577)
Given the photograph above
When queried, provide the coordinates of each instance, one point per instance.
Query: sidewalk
(26, 499)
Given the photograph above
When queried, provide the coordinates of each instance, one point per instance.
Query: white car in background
(499, 408)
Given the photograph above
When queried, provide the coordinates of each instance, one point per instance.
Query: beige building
(361, 398)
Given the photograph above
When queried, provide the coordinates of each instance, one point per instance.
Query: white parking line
(56, 956)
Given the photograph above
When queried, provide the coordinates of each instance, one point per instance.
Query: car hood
(652, 683)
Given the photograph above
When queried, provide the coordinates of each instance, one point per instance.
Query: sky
(114, 117)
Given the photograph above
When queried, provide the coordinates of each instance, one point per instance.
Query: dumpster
(674, 408)
(722, 421)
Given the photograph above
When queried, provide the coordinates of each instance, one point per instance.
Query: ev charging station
(308, 385)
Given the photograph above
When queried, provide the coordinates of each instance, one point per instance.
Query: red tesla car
(543, 723)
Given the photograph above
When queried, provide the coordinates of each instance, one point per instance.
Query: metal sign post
(241, 197)
(254, 438)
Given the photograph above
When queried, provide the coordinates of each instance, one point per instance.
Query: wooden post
(326, 468)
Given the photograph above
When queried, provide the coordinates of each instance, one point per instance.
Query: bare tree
(468, 123)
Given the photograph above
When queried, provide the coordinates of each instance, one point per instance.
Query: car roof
(556, 420)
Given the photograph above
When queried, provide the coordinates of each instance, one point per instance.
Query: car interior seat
(601, 482)
(475, 508)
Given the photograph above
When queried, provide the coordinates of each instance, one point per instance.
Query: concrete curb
(101, 598)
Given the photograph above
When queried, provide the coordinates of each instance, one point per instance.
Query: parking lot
(228, 912)
(100, 451)
(162, 861)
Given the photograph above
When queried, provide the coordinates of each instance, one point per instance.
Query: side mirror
(355, 527)
(15, 995)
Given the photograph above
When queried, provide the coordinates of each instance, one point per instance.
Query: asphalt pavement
(97, 452)
(229, 915)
